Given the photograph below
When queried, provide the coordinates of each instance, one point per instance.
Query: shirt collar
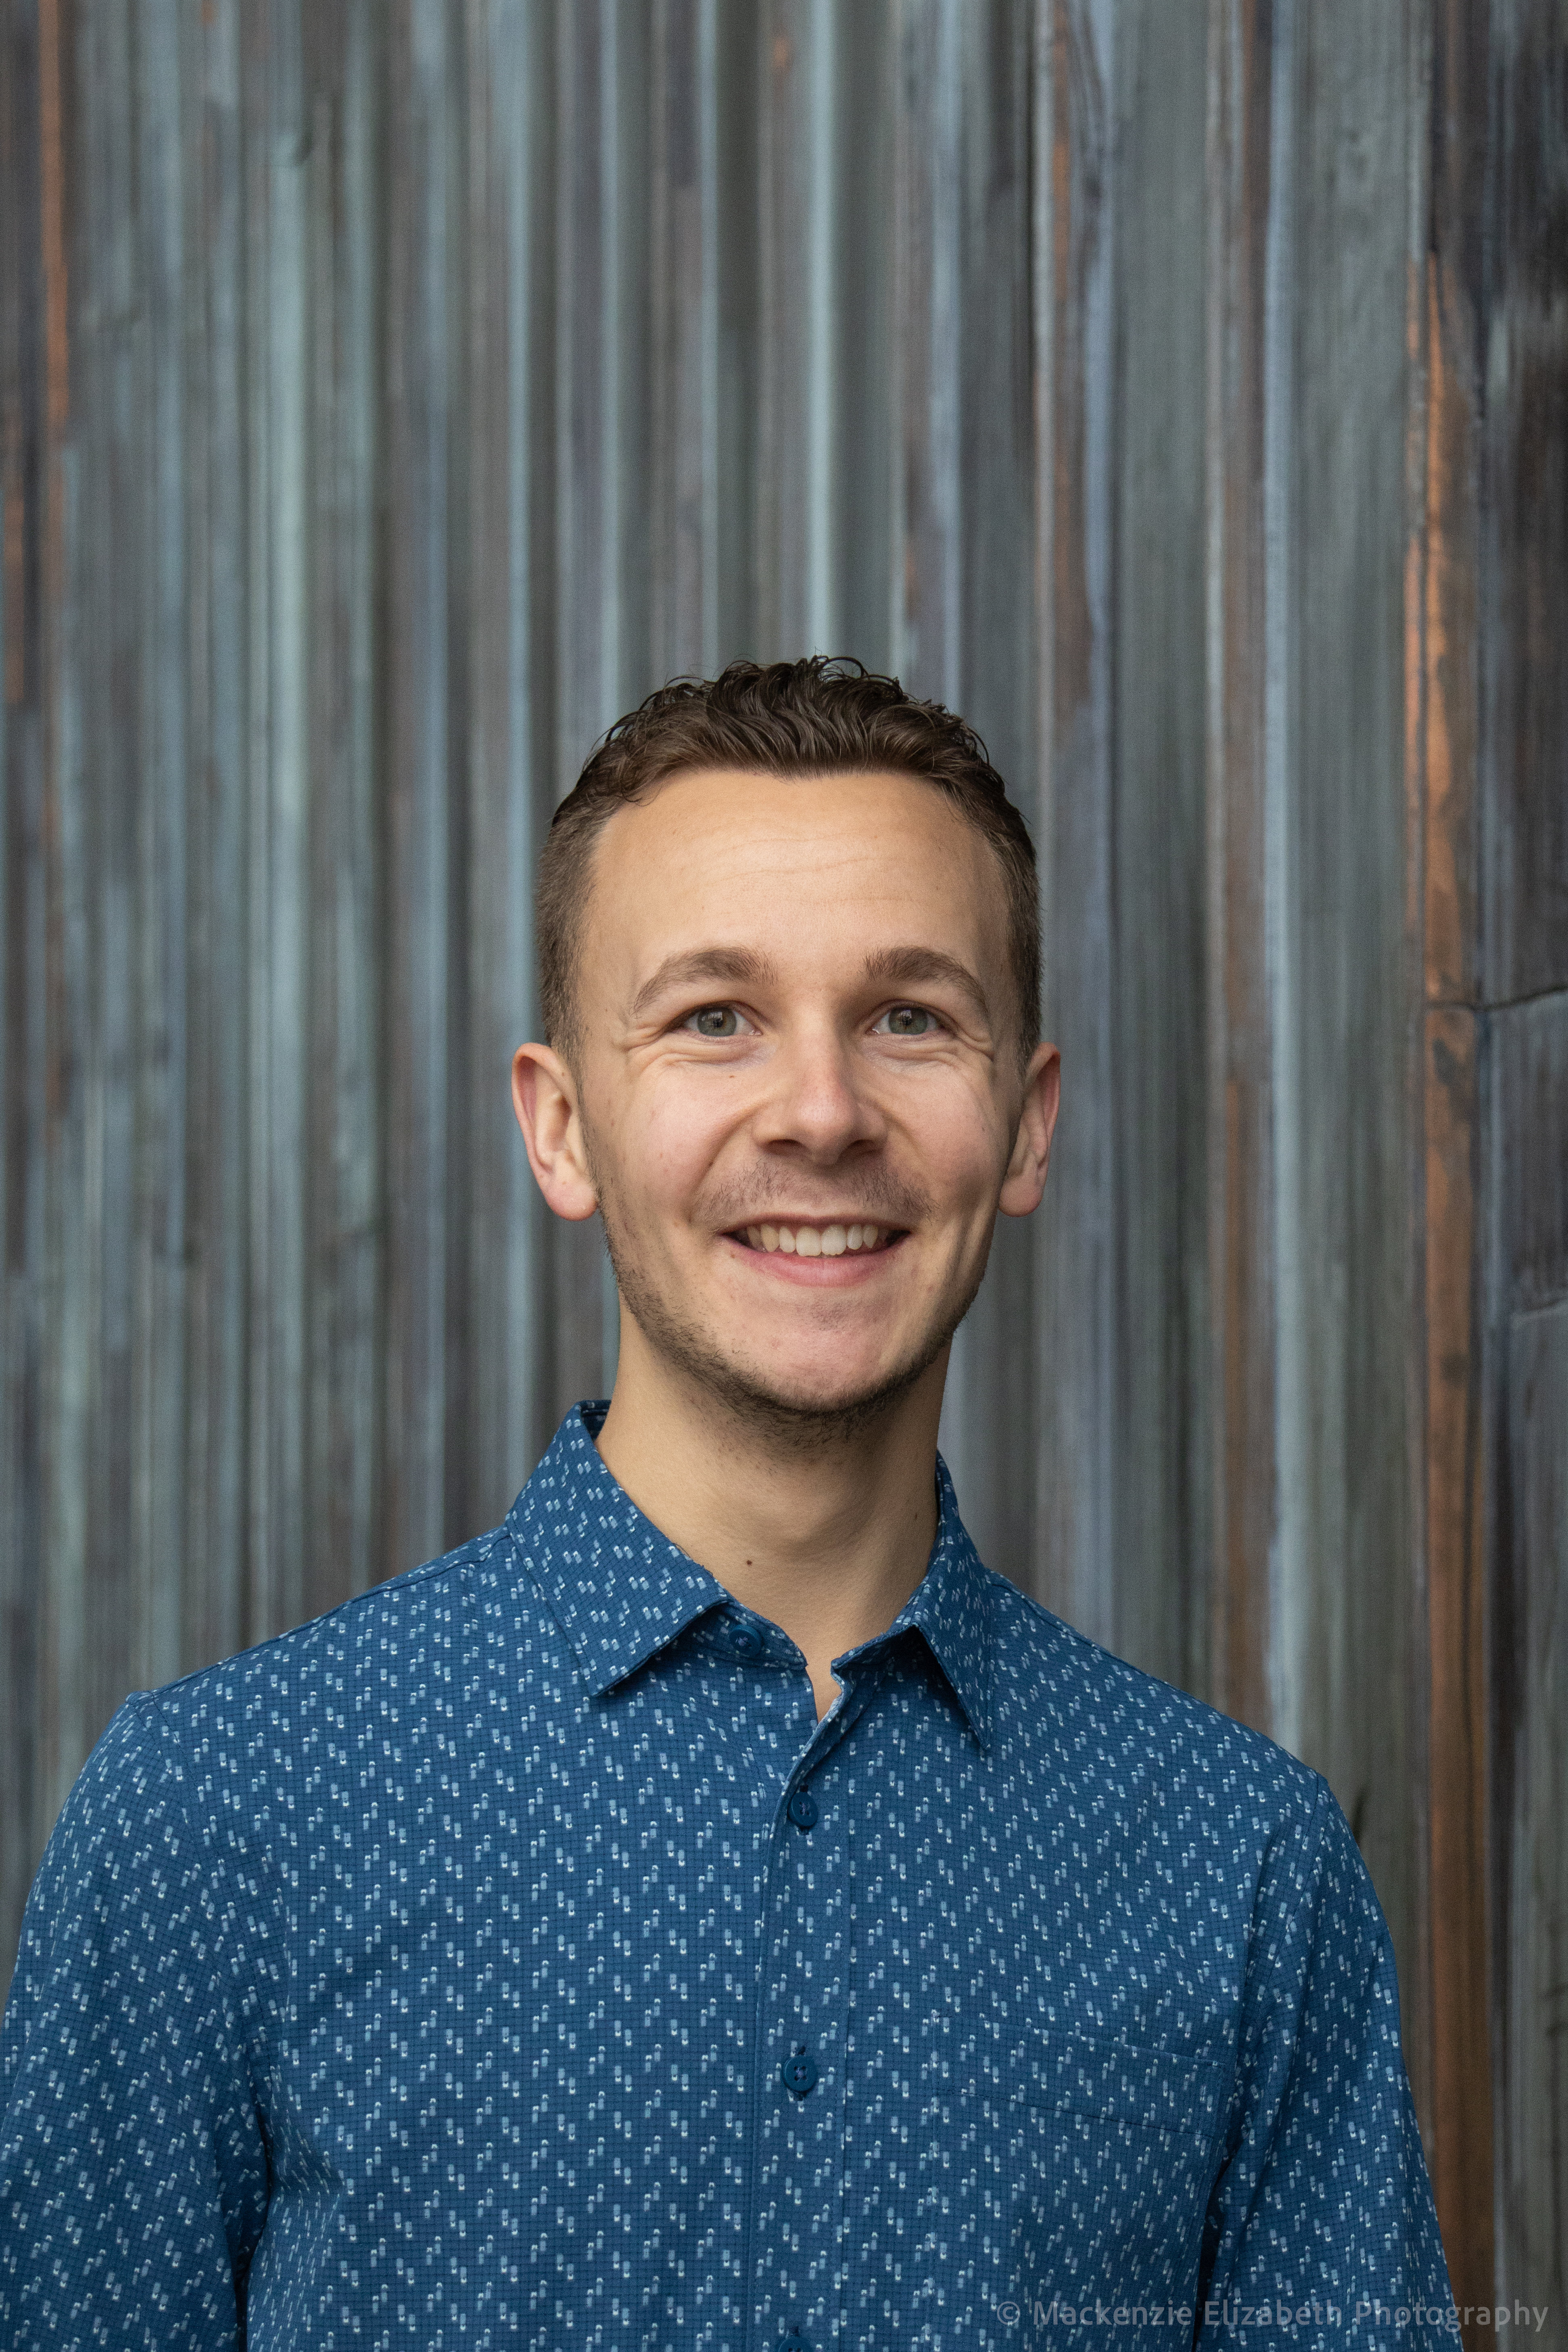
(951, 1608)
(621, 1591)
(618, 1588)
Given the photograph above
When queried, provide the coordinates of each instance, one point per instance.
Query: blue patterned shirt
(512, 1956)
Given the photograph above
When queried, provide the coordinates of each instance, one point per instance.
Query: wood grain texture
(1315, 119)
(1075, 1308)
(1450, 2036)
(1157, 852)
(1345, 1604)
(1525, 813)
(1523, 1156)
(1533, 1943)
(391, 395)
(22, 456)
(1247, 494)
(1495, 1223)
(1460, 2136)
(978, 532)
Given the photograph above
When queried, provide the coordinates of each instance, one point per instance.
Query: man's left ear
(1026, 1178)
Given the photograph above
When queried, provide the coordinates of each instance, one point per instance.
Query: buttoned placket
(798, 2065)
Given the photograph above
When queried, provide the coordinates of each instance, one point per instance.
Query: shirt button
(799, 2072)
(745, 1641)
(802, 1808)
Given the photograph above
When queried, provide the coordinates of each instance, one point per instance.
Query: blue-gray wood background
(392, 392)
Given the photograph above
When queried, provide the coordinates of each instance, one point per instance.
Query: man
(713, 1909)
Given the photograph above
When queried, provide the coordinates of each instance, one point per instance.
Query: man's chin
(825, 1390)
(806, 1411)
(809, 1404)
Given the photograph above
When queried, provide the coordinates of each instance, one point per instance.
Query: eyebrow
(737, 967)
(908, 967)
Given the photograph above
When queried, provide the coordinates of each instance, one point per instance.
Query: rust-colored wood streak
(1451, 646)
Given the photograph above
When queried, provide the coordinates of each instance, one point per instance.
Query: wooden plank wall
(390, 395)
(1488, 617)
(1516, 982)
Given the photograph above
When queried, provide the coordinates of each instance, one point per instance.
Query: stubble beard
(765, 1414)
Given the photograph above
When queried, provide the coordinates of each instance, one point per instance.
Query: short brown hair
(809, 718)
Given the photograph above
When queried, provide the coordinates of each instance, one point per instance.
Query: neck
(827, 1540)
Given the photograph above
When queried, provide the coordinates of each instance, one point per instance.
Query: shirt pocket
(1115, 2146)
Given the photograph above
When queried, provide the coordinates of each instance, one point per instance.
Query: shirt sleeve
(132, 2164)
(1321, 2228)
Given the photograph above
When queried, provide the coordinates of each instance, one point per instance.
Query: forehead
(846, 855)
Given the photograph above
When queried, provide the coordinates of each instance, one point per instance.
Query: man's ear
(1026, 1178)
(544, 1097)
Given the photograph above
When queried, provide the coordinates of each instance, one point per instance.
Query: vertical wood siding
(392, 392)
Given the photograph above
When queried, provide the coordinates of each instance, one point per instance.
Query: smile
(817, 1241)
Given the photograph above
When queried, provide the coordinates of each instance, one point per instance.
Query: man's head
(789, 948)
(814, 718)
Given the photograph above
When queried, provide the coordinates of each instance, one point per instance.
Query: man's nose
(817, 1100)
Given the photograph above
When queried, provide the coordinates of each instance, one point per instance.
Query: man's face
(797, 1079)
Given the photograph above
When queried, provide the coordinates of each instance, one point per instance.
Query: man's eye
(907, 1021)
(714, 1021)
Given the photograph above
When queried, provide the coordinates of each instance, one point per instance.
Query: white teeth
(814, 1240)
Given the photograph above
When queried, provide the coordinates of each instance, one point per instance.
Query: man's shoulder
(392, 1637)
(1059, 1697)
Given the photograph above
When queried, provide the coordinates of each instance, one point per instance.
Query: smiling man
(713, 1909)
(798, 1164)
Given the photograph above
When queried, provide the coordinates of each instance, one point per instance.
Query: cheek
(953, 1141)
(666, 1143)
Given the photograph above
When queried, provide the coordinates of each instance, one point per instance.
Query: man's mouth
(817, 1240)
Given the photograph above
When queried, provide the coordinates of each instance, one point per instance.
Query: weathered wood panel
(1345, 1569)
(1496, 1226)
(1251, 107)
(391, 395)
(1073, 1564)
(1452, 2041)
(1522, 234)
(1532, 1804)
(23, 394)
(968, 543)
(1450, 2046)
(1158, 848)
